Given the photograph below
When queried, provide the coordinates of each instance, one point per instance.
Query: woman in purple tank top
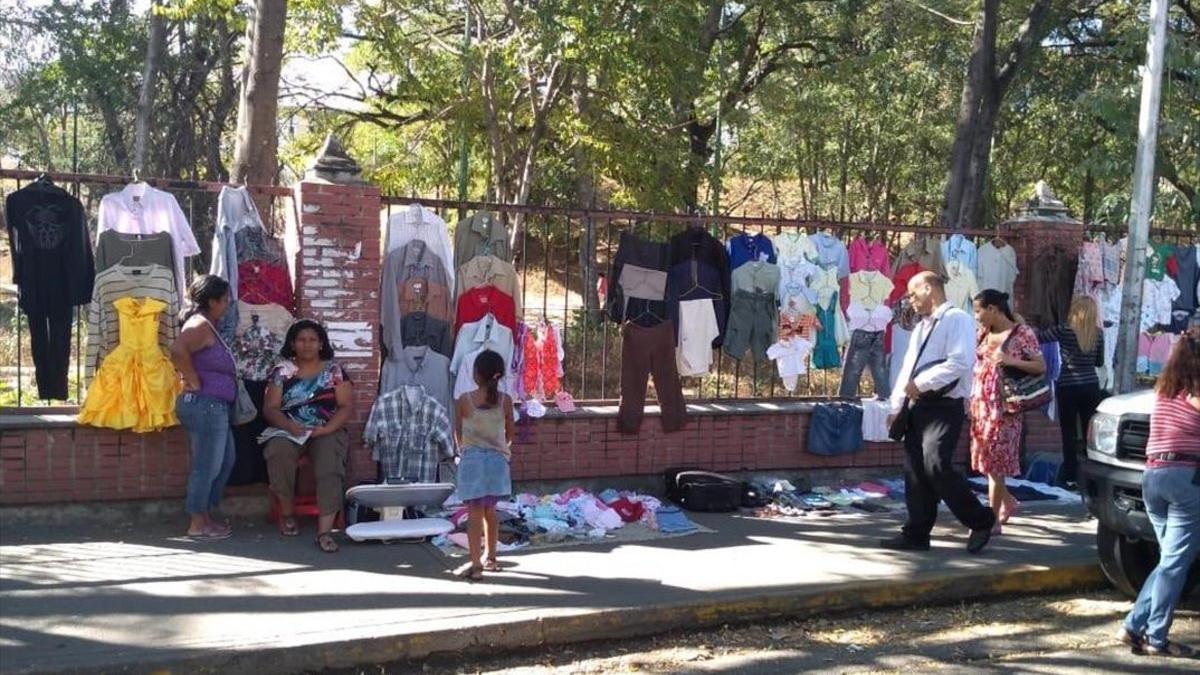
(205, 408)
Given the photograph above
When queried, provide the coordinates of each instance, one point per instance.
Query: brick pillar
(1035, 231)
(336, 268)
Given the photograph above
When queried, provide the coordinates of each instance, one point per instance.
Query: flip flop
(288, 526)
(493, 565)
(326, 543)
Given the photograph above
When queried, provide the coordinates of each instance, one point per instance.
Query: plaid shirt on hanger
(409, 434)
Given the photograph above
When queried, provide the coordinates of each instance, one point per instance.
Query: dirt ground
(1073, 632)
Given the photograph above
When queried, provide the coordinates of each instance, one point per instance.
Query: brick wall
(337, 272)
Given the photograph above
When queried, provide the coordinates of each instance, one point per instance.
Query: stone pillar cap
(334, 165)
(1044, 205)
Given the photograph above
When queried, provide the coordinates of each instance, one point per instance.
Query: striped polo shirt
(1078, 367)
(1174, 428)
(123, 281)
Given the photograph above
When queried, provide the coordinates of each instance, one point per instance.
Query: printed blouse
(309, 401)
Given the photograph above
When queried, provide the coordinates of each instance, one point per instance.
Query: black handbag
(1021, 391)
(903, 419)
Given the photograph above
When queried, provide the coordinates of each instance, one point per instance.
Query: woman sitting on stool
(309, 397)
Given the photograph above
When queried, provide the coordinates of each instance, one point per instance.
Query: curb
(637, 621)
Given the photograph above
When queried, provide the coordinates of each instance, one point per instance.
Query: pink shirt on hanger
(871, 255)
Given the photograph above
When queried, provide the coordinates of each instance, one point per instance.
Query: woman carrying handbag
(1008, 349)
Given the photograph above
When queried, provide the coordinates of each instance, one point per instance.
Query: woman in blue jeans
(205, 408)
(1171, 490)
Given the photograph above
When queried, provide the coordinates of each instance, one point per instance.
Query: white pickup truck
(1112, 489)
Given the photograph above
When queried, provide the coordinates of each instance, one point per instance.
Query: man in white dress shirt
(935, 380)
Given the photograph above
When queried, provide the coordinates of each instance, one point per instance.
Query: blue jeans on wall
(210, 436)
(866, 351)
(1173, 504)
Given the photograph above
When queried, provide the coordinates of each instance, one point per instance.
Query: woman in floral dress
(996, 435)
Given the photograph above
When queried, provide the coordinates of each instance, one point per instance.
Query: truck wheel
(1128, 562)
(1125, 562)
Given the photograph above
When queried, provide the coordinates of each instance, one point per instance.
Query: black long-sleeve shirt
(52, 253)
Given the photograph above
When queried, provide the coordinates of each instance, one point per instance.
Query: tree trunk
(145, 110)
(977, 77)
(255, 157)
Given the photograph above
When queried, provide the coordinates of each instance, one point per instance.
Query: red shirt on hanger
(479, 301)
(263, 283)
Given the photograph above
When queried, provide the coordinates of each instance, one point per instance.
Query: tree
(155, 46)
(256, 154)
(987, 80)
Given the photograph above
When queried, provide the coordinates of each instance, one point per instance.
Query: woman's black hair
(205, 290)
(489, 370)
(288, 352)
(991, 297)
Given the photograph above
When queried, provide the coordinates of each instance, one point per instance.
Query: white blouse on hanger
(141, 209)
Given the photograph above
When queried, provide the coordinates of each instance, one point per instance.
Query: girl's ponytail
(489, 370)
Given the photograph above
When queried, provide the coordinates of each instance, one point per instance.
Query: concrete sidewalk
(87, 598)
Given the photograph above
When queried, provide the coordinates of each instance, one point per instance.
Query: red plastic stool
(304, 502)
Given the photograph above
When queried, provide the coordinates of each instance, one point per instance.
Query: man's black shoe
(978, 539)
(903, 543)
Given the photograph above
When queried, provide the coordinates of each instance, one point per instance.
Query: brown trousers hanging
(649, 352)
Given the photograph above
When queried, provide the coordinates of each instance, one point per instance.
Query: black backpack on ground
(697, 490)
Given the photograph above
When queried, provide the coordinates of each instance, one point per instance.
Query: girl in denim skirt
(483, 427)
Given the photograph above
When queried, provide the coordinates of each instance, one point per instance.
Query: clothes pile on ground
(574, 515)
(781, 499)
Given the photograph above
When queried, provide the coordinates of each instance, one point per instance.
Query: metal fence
(557, 279)
(199, 203)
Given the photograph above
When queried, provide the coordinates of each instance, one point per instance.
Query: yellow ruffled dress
(136, 385)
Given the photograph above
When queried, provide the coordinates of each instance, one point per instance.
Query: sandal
(492, 565)
(288, 526)
(326, 543)
(470, 573)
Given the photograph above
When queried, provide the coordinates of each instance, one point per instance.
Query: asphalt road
(1054, 634)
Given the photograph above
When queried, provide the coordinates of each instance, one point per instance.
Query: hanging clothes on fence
(417, 223)
(480, 234)
(796, 278)
(1051, 281)
(790, 356)
(832, 254)
(1158, 296)
(699, 270)
(754, 314)
(54, 272)
(488, 270)
(116, 248)
(1089, 276)
(1187, 278)
(646, 352)
(925, 251)
(869, 255)
(542, 358)
(997, 266)
(745, 248)
(409, 434)
(414, 279)
(141, 209)
(135, 385)
(486, 333)
(235, 212)
(961, 287)
(103, 318)
(792, 246)
(959, 248)
(419, 366)
(418, 329)
(646, 306)
(830, 336)
(264, 283)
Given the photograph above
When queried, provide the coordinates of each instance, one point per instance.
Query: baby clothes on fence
(790, 356)
(826, 353)
(795, 281)
(542, 358)
(792, 246)
(697, 330)
(961, 287)
(136, 385)
(869, 255)
(795, 324)
(1157, 299)
(745, 248)
(870, 289)
(958, 248)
